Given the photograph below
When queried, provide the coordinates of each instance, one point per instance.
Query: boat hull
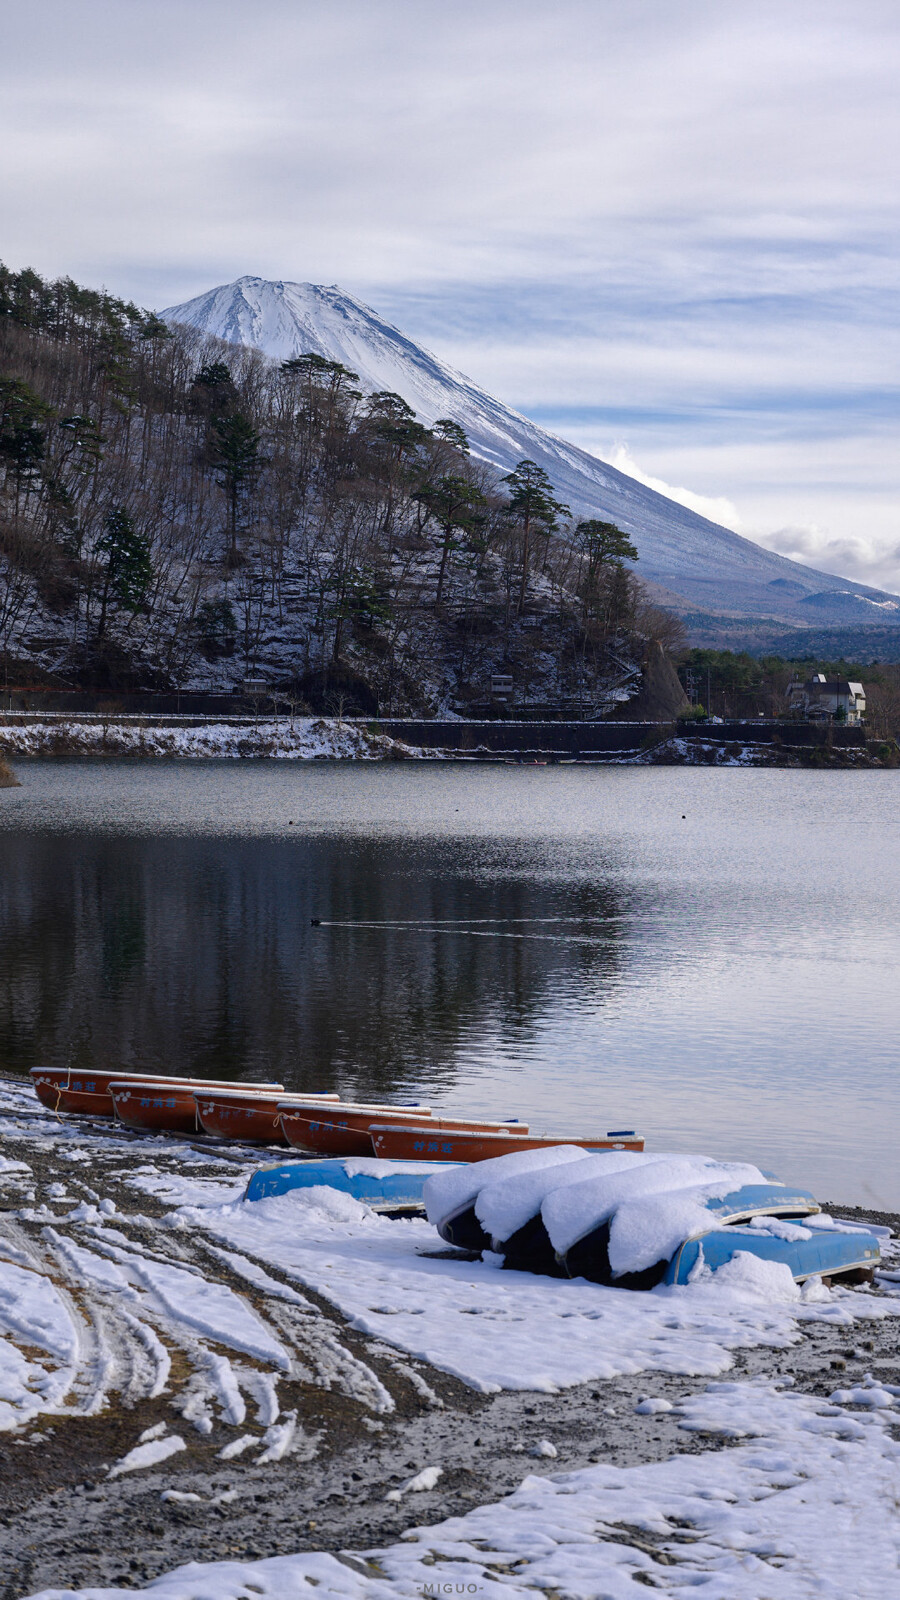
(529, 1250)
(161, 1110)
(248, 1118)
(87, 1093)
(341, 1133)
(362, 1141)
(46, 1083)
(588, 1257)
(399, 1189)
(463, 1230)
(448, 1144)
(825, 1255)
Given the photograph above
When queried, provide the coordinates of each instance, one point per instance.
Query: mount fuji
(694, 565)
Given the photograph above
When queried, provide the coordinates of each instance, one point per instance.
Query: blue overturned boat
(847, 1252)
(770, 1221)
(382, 1185)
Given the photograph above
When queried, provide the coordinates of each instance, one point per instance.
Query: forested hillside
(175, 511)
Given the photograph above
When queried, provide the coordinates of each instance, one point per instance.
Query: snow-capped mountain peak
(699, 565)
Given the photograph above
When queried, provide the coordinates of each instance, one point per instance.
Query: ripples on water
(709, 955)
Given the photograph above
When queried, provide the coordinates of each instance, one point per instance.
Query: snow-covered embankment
(304, 739)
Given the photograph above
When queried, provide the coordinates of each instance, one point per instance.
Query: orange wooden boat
(160, 1105)
(46, 1081)
(336, 1134)
(343, 1131)
(434, 1142)
(86, 1093)
(250, 1116)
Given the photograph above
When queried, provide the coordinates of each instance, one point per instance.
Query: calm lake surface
(712, 957)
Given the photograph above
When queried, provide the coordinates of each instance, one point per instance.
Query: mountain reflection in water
(710, 956)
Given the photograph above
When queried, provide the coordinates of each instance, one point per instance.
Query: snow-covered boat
(633, 1221)
(589, 1255)
(454, 1197)
(481, 1142)
(811, 1245)
(252, 1116)
(87, 1093)
(383, 1185)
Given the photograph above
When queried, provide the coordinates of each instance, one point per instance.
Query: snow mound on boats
(655, 1203)
(652, 1201)
(332, 1205)
(755, 1278)
(455, 1187)
(506, 1204)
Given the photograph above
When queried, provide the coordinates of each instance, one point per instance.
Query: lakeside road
(192, 1378)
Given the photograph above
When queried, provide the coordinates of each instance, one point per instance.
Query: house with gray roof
(823, 699)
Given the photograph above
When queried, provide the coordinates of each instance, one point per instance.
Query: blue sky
(666, 230)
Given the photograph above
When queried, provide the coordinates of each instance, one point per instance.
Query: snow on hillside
(701, 565)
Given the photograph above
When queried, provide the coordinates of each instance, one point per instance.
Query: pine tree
(457, 506)
(394, 421)
(128, 567)
(603, 543)
(236, 454)
(532, 505)
(22, 440)
(213, 392)
(451, 433)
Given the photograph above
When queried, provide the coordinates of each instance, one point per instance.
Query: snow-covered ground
(504, 1330)
(307, 739)
(209, 1304)
(807, 1507)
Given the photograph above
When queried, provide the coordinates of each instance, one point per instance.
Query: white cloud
(874, 561)
(866, 560)
(716, 507)
(825, 498)
(665, 140)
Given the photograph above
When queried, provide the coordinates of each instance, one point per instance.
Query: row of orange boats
(318, 1124)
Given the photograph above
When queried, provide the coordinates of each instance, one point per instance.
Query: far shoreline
(112, 735)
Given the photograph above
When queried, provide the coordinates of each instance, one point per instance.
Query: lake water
(712, 957)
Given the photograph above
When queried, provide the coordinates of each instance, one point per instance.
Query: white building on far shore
(824, 699)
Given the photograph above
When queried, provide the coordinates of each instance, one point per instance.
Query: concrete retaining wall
(598, 738)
